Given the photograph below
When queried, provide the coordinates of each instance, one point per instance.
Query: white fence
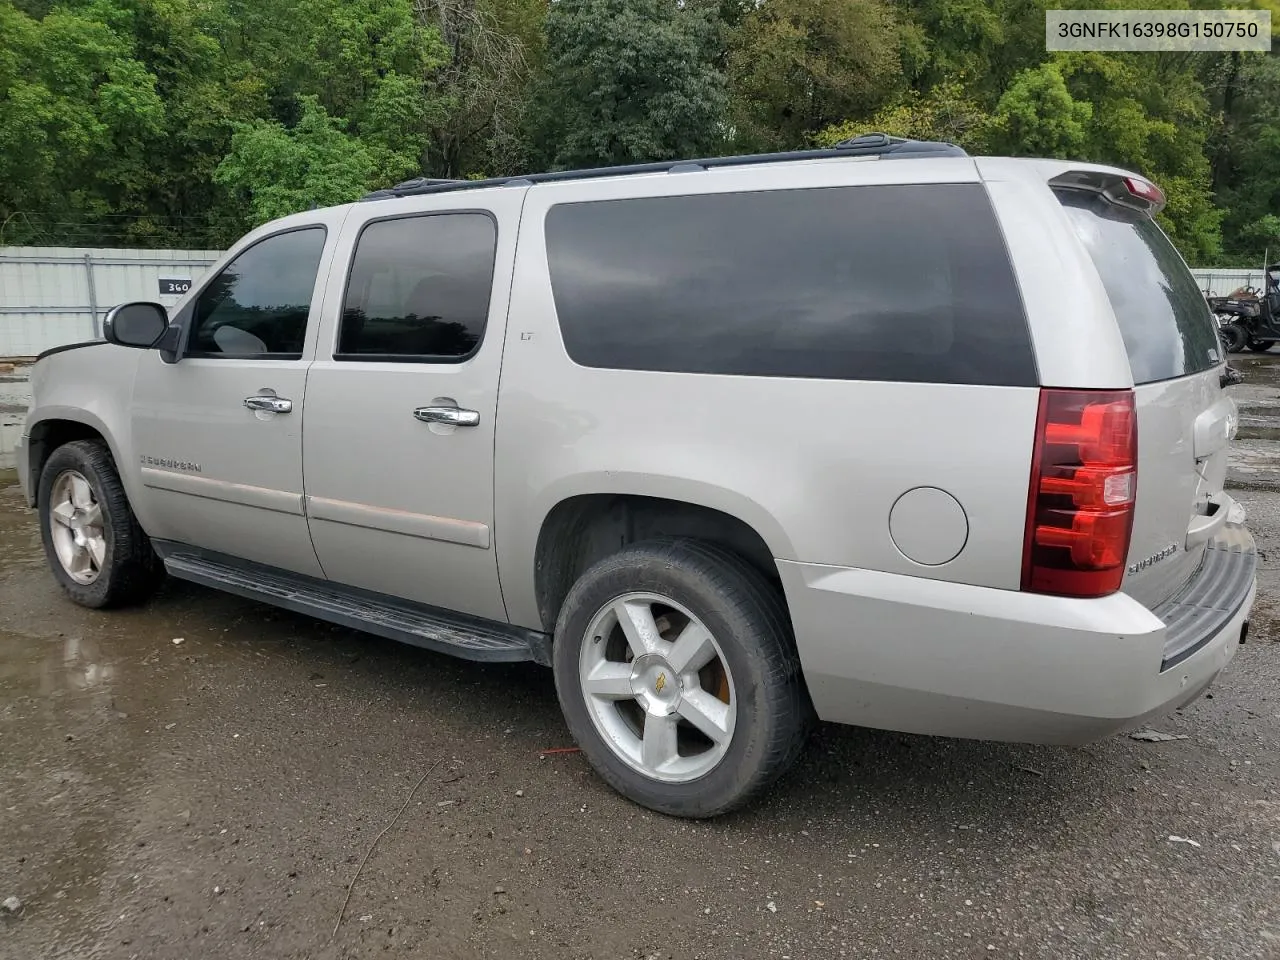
(1220, 282)
(50, 296)
(55, 295)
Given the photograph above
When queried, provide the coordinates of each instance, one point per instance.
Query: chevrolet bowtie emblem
(660, 683)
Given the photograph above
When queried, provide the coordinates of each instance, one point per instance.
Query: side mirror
(137, 325)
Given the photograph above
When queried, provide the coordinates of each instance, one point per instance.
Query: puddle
(19, 541)
(70, 753)
(60, 790)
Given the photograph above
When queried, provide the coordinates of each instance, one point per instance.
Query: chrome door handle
(269, 404)
(453, 416)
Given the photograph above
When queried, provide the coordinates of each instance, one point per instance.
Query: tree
(370, 63)
(279, 171)
(77, 115)
(181, 122)
(1038, 116)
(798, 66)
(494, 46)
(988, 42)
(946, 112)
(1246, 155)
(1150, 114)
(629, 81)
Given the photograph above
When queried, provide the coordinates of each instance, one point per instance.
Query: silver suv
(883, 434)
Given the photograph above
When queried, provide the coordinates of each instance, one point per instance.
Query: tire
(754, 676)
(1233, 337)
(1260, 346)
(109, 563)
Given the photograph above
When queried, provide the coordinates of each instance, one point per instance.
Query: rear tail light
(1084, 476)
(1145, 190)
(1136, 193)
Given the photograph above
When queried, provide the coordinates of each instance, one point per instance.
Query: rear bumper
(926, 656)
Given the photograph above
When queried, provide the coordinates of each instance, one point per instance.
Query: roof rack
(871, 144)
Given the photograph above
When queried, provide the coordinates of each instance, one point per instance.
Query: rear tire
(1233, 337)
(628, 682)
(1260, 346)
(99, 554)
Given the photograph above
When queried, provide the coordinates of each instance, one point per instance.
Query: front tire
(678, 677)
(1260, 346)
(98, 553)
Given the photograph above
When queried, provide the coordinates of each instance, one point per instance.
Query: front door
(219, 433)
(401, 401)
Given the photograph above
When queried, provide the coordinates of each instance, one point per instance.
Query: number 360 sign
(174, 288)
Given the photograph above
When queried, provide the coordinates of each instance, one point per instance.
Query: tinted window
(866, 283)
(1164, 319)
(258, 304)
(419, 288)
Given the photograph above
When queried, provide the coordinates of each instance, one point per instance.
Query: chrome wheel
(658, 687)
(75, 525)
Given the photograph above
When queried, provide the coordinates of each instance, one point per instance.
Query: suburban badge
(1155, 558)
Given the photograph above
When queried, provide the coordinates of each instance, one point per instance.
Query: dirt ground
(215, 798)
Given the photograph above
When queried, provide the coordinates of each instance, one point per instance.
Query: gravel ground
(216, 798)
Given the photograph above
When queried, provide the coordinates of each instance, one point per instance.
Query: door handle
(269, 404)
(453, 416)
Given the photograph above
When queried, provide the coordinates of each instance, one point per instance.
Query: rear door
(1185, 420)
(402, 400)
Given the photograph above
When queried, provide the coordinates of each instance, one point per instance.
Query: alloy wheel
(75, 524)
(658, 687)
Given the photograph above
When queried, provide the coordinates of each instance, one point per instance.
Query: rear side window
(419, 289)
(857, 283)
(1164, 318)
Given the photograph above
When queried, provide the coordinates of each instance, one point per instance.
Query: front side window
(419, 289)
(258, 305)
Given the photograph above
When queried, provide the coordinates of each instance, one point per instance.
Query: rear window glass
(1163, 316)
(909, 283)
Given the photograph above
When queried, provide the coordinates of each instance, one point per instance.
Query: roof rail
(869, 145)
(427, 182)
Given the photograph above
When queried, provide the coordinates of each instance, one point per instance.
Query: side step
(462, 636)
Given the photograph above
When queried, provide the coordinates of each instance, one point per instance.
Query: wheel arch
(57, 428)
(580, 529)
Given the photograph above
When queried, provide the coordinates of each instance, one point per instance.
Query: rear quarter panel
(1073, 330)
(814, 466)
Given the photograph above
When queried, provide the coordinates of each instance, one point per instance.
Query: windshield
(1165, 321)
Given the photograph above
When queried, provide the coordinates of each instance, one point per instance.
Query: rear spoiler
(1122, 189)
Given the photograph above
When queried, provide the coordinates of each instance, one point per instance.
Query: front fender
(92, 388)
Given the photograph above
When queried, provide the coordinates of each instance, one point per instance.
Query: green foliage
(279, 171)
(183, 122)
(77, 115)
(798, 66)
(946, 112)
(629, 80)
(1038, 116)
(986, 41)
(494, 49)
(1246, 155)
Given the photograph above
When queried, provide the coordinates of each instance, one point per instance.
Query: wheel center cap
(655, 684)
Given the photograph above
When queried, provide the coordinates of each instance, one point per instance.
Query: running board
(443, 631)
